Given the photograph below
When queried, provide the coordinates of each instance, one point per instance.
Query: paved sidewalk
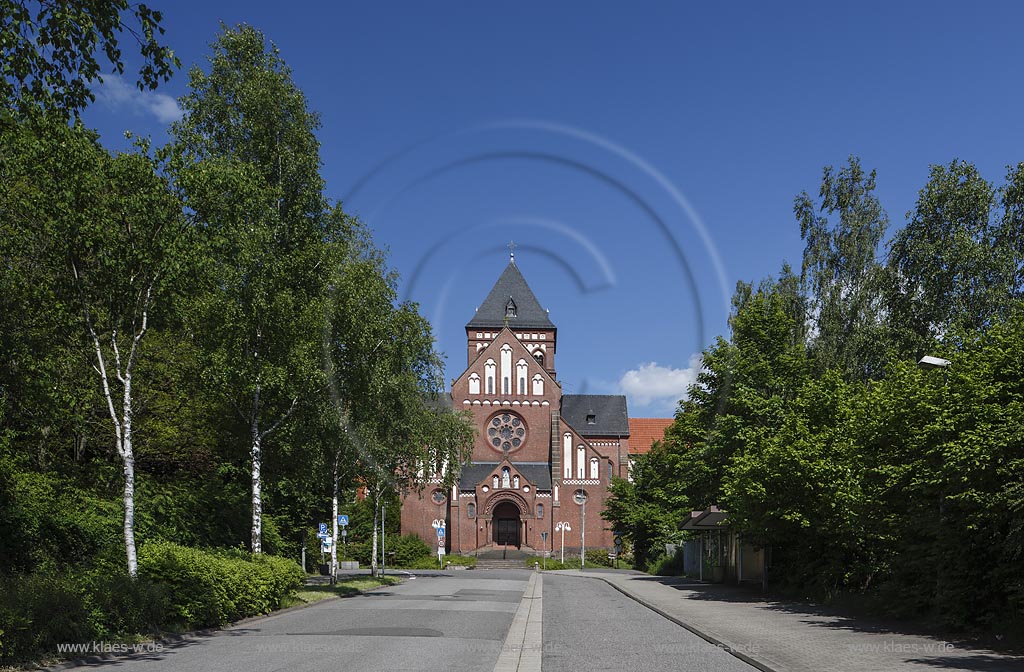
(790, 637)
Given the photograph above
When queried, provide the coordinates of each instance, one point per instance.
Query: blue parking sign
(323, 528)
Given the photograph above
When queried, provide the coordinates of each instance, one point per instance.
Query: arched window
(494, 481)
(471, 510)
(538, 385)
(581, 459)
(539, 356)
(567, 455)
(515, 481)
(540, 510)
(474, 383)
(506, 369)
(489, 371)
(594, 469)
(521, 372)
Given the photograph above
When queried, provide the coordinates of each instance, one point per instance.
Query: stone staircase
(503, 558)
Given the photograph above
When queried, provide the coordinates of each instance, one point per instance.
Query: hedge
(208, 588)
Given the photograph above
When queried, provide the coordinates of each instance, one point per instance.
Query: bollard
(536, 566)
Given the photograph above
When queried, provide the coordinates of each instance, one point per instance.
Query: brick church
(540, 457)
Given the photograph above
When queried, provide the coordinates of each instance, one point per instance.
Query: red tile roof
(643, 432)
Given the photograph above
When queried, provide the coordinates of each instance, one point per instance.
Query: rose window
(506, 431)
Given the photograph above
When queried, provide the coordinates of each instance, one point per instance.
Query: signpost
(439, 526)
(544, 549)
(343, 521)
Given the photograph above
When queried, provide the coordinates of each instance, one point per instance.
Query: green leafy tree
(955, 263)
(840, 269)
(116, 229)
(246, 159)
(49, 51)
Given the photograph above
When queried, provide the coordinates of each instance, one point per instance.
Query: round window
(437, 496)
(506, 432)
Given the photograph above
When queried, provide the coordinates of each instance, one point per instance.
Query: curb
(96, 659)
(703, 635)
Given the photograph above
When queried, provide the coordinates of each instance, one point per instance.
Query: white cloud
(116, 93)
(660, 387)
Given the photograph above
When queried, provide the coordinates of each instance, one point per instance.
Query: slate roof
(537, 473)
(529, 313)
(643, 432)
(609, 410)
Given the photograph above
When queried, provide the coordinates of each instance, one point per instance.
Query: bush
(408, 551)
(667, 565)
(38, 612)
(210, 588)
(598, 557)
(120, 606)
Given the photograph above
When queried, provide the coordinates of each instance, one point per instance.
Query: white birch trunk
(256, 457)
(376, 522)
(334, 526)
(128, 457)
(123, 422)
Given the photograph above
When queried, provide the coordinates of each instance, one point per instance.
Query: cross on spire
(511, 252)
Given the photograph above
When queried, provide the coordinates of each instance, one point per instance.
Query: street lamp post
(581, 498)
(562, 527)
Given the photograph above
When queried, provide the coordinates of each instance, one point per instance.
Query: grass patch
(345, 587)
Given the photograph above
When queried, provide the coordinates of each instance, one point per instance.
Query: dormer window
(510, 308)
(591, 419)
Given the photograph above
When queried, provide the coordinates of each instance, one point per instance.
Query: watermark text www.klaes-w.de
(94, 648)
(893, 646)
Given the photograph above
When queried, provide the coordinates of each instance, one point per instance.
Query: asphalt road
(460, 620)
(588, 625)
(436, 622)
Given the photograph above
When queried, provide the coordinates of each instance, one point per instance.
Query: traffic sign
(440, 533)
(323, 535)
(323, 528)
(327, 542)
(343, 520)
(618, 540)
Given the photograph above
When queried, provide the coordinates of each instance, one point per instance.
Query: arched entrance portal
(505, 524)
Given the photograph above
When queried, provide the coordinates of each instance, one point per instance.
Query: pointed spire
(511, 302)
(511, 252)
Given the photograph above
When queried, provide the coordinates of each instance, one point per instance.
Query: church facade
(540, 457)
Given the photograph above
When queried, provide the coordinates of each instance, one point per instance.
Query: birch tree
(384, 370)
(116, 229)
(246, 158)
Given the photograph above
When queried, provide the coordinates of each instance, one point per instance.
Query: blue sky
(643, 158)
